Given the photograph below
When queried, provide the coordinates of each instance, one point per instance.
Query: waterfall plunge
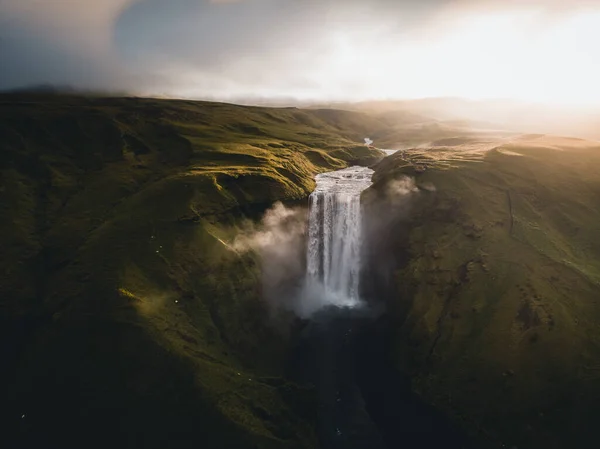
(334, 239)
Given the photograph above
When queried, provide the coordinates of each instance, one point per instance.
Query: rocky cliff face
(491, 280)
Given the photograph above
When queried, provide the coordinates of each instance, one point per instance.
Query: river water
(344, 349)
(335, 236)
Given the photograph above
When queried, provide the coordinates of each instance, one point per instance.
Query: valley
(130, 312)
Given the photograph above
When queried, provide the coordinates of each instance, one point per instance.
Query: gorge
(363, 401)
(128, 312)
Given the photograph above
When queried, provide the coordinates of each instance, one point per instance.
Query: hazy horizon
(328, 51)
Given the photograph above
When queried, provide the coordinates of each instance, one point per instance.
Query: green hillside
(122, 307)
(496, 301)
(126, 315)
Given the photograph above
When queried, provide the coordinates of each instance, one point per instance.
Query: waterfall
(335, 237)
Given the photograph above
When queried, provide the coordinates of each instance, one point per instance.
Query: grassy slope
(123, 312)
(500, 296)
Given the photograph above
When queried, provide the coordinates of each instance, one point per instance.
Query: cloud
(327, 49)
(200, 46)
(353, 49)
(66, 42)
(266, 45)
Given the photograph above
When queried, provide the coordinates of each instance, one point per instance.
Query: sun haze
(536, 51)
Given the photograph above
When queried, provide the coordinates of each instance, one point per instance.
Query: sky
(325, 50)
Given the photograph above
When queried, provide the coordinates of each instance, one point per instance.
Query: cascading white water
(334, 238)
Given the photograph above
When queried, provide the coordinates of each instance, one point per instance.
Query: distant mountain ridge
(500, 114)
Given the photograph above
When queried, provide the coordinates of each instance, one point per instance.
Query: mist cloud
(280, 241)
(402, 186)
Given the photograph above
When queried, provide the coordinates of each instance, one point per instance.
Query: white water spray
(335, 238)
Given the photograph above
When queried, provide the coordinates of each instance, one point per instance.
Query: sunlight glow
(521, 54)
(505, 55)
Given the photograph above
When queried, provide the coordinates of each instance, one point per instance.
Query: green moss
(497, 319)
(123, 297)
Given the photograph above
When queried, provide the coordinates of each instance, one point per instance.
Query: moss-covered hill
(496, 300)
(125, 319)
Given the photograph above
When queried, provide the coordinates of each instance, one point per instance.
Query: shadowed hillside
(129, 319)
(124, 313)
(494, 286)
